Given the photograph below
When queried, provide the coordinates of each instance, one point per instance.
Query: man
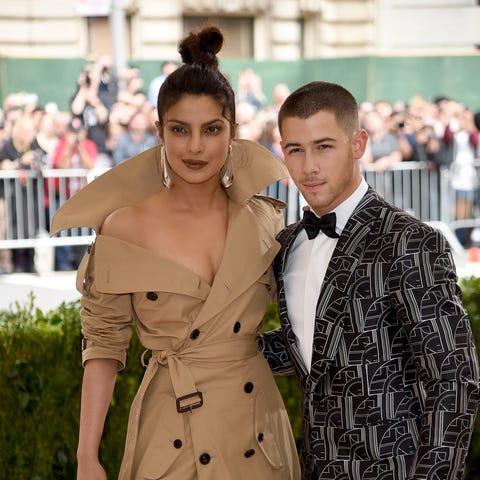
(135, 140)
(167, 68)
(371, 315)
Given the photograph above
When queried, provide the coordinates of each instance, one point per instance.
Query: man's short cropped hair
(321, 96)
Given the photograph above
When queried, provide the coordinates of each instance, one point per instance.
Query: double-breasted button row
(205, 457)
(260, 437)
(152, 296)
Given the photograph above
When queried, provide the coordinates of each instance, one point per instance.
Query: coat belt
(211, 354)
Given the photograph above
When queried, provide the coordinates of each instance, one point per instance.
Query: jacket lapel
(286, 239)
(332, 313)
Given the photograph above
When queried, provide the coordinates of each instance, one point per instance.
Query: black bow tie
(313, 224)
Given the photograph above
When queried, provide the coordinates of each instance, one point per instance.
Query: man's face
(322, 159)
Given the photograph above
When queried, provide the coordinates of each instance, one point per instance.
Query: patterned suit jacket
(393, 388)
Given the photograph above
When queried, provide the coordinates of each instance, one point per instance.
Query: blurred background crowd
(111, 119)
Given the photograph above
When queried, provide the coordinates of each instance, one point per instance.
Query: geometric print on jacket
(394, 384)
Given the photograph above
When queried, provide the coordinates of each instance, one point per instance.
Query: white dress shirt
(305, 270)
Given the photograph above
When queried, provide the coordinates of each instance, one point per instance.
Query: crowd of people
(112, 118)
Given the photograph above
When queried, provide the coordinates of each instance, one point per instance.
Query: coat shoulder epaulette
(275, 202)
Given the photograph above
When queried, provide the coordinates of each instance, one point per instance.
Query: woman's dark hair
(199, 74)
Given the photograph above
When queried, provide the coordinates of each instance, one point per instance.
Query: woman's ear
(359, 143)
(158, 126)
(234, 129)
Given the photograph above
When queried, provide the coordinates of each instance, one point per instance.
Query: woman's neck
(198, 198)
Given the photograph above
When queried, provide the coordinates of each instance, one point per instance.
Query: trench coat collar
(246, 240)
(254, 168)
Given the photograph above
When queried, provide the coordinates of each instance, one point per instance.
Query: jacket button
(204, 458)
(236, 327)
(177, 443)
(248, 387)
(152, 296)
(260, 437)
(249, 453)
(195, 333)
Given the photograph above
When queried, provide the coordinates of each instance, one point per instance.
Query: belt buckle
(186, 408)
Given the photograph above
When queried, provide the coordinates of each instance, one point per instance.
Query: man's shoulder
(387, 216)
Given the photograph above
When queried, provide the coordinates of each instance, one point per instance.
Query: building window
(100, 37)
(238, 33)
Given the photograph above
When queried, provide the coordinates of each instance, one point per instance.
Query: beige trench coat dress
(208, 406)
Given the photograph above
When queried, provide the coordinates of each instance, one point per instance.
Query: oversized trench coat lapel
(254, 168)
(249, 252)
(332, 315)
(141, 271)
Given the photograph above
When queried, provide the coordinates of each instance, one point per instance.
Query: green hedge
(40, 382)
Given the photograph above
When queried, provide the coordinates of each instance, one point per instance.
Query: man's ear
(359, 143)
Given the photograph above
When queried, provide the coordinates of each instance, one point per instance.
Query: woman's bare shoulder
(120, 223)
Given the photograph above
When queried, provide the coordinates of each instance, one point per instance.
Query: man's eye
(294, 150)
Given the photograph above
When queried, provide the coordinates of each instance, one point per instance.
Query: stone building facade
(255, 29)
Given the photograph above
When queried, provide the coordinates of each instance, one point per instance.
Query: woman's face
(196, 136)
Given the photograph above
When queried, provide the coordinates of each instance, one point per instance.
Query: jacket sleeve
(422, 284)
(272, 346)
(106, 318)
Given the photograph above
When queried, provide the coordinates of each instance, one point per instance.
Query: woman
(22, 152)
(190, 261)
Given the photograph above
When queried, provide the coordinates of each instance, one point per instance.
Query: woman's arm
(97, 389)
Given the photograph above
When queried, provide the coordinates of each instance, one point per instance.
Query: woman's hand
(90, 470)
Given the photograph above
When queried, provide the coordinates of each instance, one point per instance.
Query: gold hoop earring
(166, 176)
(226, 174)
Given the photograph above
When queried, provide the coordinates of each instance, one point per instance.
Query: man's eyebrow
(315, 142)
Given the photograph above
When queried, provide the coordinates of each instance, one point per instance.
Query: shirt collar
(345, 209)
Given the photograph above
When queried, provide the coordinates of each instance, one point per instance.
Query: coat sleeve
(106, 318)
(422, 284)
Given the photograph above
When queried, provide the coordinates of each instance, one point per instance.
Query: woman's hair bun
(202, 46)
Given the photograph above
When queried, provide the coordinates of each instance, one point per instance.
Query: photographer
(74, 150)
(87, 104)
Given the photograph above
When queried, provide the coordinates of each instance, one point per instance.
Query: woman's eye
(178, 129)
(213, 129)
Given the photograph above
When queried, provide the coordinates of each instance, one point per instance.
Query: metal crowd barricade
(30, 199)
